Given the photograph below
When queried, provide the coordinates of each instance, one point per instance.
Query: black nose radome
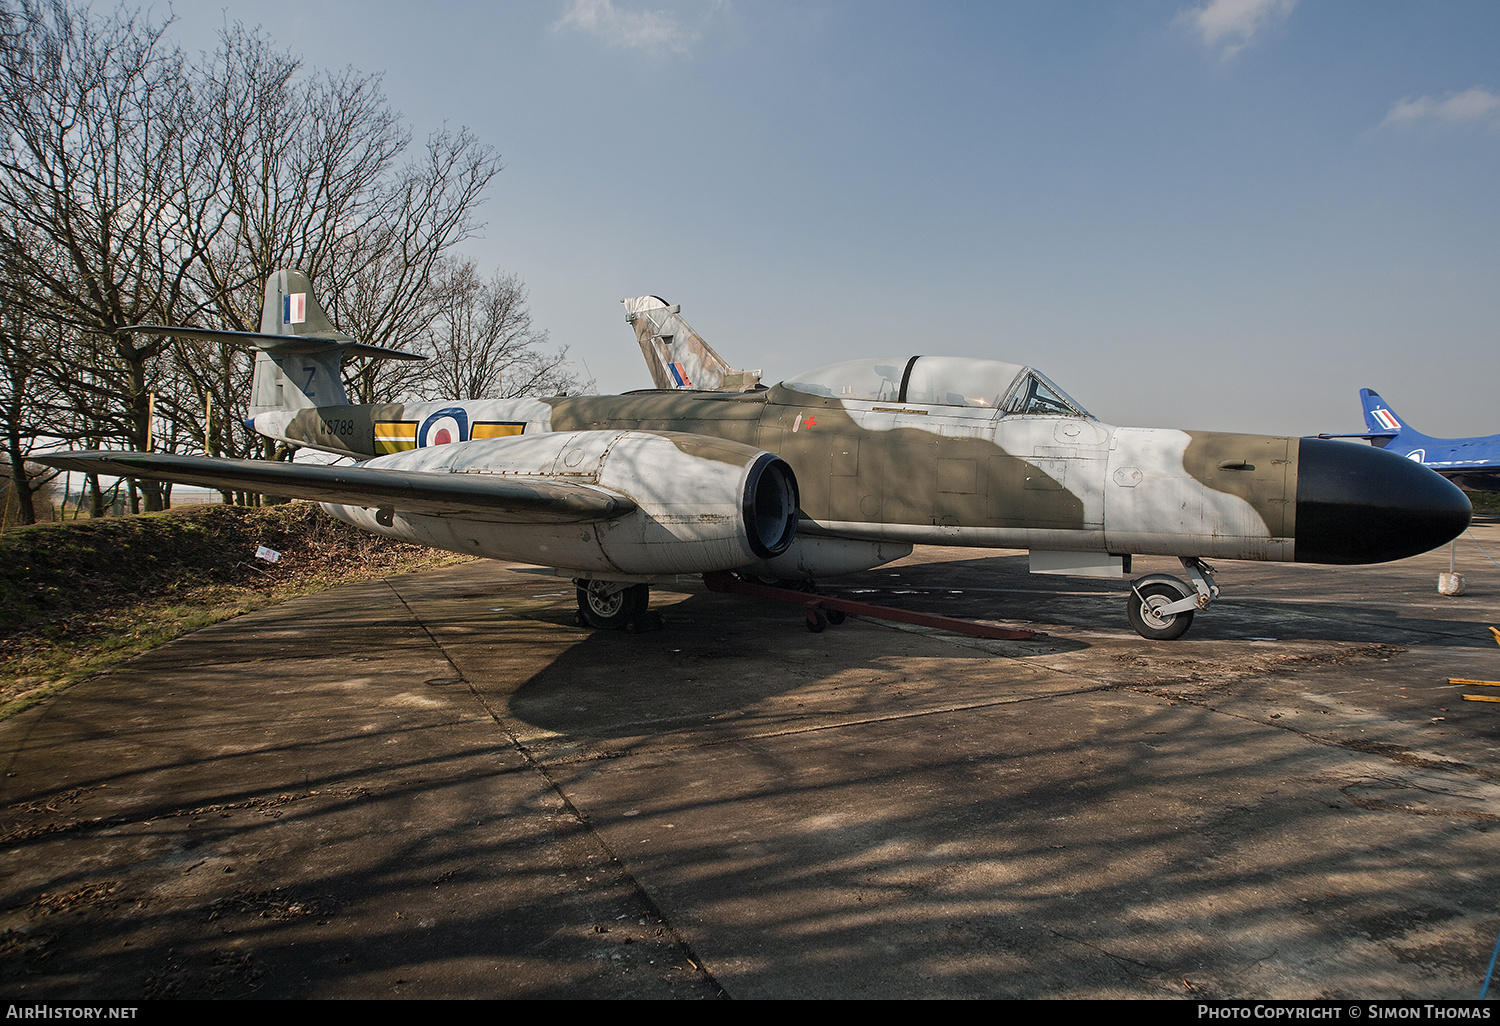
(1359, 504)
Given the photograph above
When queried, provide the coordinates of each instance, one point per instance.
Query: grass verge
(1485, 502)
(79, 597)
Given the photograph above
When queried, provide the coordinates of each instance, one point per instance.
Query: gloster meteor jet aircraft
(840, 469)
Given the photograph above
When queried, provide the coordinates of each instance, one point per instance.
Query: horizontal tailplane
(299, 354)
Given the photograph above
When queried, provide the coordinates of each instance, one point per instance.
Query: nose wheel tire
(1140, 608)
(606, 606)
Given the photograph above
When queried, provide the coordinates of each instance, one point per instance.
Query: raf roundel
(444, 427)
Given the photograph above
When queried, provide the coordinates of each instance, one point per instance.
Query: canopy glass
(1012, 389)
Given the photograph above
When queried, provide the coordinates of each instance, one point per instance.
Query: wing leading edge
(499, 498)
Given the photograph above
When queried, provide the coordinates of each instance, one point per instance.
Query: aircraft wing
(492, 497)
(1368, 436)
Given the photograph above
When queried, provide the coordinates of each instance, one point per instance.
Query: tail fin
(1379, 418)
(676, 355)
(299, 353)
(307, 376)
(291, 308)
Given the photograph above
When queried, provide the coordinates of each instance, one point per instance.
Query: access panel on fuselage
(1049, 474)
(840, 469)
(873, 462)
(735, 416)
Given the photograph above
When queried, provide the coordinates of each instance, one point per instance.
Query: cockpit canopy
(1012, 389)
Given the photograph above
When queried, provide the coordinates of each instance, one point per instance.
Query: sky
(1221, 214)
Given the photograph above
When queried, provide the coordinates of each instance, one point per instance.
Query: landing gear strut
(613, 606)
(1160, 607)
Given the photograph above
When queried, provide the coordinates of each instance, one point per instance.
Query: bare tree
(484, 345)
(297, 169)
(138, 187)
(295, 163)
(28, 408)
(311, 176)
(393, 283)
(95, 114)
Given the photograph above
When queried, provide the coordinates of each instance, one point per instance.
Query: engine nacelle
(810, 558)
(702, 504)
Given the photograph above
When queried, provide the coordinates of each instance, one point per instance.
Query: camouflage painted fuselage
(961, 475)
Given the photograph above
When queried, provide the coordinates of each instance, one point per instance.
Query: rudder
(676, 355)
(297, 377)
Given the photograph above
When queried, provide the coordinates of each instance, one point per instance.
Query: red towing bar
(825, 609)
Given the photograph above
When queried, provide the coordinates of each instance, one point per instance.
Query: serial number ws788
(337, 427)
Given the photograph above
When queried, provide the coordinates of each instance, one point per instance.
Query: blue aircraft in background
(1472, 463)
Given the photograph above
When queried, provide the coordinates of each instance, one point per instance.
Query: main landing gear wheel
(611, 606)
(1141, 607)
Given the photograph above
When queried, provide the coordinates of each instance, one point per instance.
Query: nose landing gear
(1160, 607)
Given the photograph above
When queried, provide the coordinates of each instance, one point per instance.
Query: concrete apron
(439, 786)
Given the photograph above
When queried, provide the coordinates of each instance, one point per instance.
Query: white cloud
(1470, 106)
(1231, 25)
(654, 32)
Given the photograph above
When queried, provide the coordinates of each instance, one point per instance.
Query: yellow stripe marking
(395, 436)
(492, 429)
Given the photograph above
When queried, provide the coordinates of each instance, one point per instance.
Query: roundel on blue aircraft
(443, 427)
